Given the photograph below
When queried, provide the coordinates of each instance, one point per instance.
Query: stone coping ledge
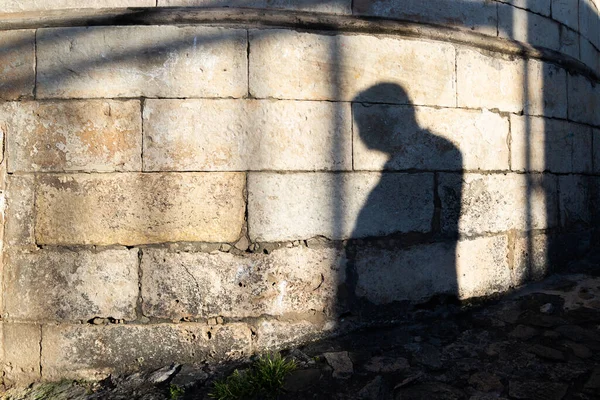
(297, 20)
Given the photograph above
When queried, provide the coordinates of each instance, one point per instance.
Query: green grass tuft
(264, 379)
(175, 392)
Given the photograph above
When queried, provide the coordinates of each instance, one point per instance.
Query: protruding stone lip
(292, 19)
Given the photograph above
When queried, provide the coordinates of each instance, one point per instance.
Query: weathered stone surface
(37, 5)
(132, 209)
(296, 206)
(531, 261)
(488, 81)
(330, 6)
(527, 27)
(21, 352)
(540, 144)
(566, 12)
(537, 390)
(293, 65)
(497, 203)
(150, 61)
(569, 42)
(19, 228)
(589, 54)
(92, 135)
(82, 351)
(341, 364)
(584, 100)
(596, 151)
(478, 15)
(589, 24)
(290, 280)
(277, 334)
(574, 200)
(67, 285)
(17, 64)
(537, 6)
(234, 135)
(468, 268)
(406, 137)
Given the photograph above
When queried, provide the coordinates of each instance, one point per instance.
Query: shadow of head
(378, 123)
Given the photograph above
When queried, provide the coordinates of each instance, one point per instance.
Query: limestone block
(497, 203)
(531, 260)
(406, 137)
(566, 12)
(589, 22)
(527, 27)
(329, 6)
(574, 200)
(540, 144)
(92, 352)
(490, 82)
(234, 135)
(293, 65)
(477, 15)
(149, 61)
(37, 5)
(68, 285)
(17, 64)
(338, 206)
(584, 100)
(273, 335)
(537, 6)
(468, 268)
(21, 352)
(20, 200)
(201, 285)
(130, 209)
(569, 42)
(589, 54)
(91, 135)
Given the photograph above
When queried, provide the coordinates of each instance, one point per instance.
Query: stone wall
(191, 192)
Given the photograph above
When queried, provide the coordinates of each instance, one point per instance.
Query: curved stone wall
(176, 191)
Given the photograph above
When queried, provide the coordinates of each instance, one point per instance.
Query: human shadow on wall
(403, 245)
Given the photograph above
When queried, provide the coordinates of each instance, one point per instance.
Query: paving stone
(179, 285)
(546, 352)
(383, 364)
(81, 351)
(579, 350)
(17, 58)
(341, 364)
(302, 380)
(88, 135)
(474, 204)
(71, 286)
(537, 390)
(523, 332)
(131, 209)
(148, 61)
(406, 137)
(293, 65)
(479, 16)
(486, 382)
(303, 205)
(432, 390)
(238, 135)
(429, 356)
